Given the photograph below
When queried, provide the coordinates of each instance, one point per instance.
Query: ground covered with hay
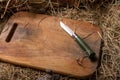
(104, 13)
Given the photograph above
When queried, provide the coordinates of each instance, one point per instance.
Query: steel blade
(66, 28)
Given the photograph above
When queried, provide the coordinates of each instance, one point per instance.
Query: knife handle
(85, 47)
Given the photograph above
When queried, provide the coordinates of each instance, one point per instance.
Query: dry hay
(110, 24)
(106, 15)
(41, 6)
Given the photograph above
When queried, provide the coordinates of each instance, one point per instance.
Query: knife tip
(61, 22)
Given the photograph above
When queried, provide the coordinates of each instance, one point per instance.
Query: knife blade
(79, 40)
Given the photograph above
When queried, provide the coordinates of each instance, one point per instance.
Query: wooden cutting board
(38, 41)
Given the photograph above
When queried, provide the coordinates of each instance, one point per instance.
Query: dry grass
(107, 16)
(110, 24)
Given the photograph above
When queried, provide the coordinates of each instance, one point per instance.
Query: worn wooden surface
(41, 43)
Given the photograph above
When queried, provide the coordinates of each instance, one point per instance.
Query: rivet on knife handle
(80, 41)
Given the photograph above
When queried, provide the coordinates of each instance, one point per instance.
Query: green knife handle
(85, 47)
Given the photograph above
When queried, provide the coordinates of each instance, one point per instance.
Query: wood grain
(41, 43)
